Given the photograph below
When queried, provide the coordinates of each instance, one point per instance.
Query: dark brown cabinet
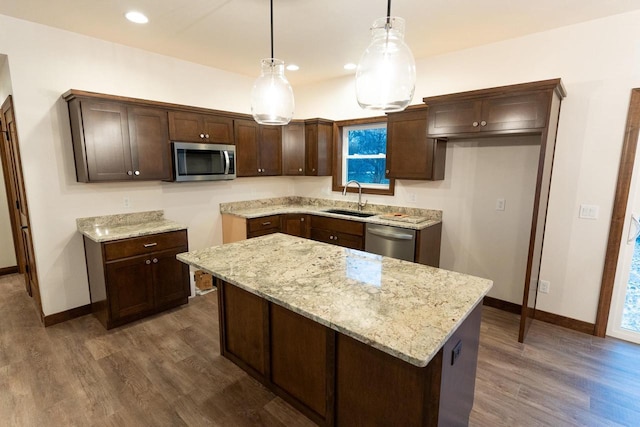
(114, 141)
(517, 113)
(296, 225)
(340, 232)
(410, 154)
(136, 277)
(293, 149)
(258, 149)
(318, 139)
(186, 126)
(263, 225)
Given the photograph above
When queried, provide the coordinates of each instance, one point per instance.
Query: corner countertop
(405, 309)
(123, 226)
(397, 216)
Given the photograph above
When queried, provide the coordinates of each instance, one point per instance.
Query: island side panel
(460, 360)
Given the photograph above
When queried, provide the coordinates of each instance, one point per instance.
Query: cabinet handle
(155, 260)
(302, 219)
(387, 171)
(129, 173)
(313, 170)
(266, 223)
(206, 135)
(483, 123)
(150, 245)
(137, 173)
(148, 262)
(299, 169)
(202, 136)
(475, 124)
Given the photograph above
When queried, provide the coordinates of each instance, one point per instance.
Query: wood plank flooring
(167, 371)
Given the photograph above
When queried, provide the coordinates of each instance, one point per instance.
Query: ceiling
(318, 35)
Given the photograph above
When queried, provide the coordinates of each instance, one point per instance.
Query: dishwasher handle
(389, 234)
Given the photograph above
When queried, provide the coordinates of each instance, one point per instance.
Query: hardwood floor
(167, 371)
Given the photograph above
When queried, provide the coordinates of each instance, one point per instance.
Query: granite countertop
(123, 226)
(405, 309)
(398, 216)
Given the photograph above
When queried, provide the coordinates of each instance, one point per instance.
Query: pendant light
(386, 74)
(272, 96)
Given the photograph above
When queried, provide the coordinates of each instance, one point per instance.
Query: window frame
(338, 127)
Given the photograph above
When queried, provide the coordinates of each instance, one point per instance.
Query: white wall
(46, 62)
(599, 63)
(7, 251)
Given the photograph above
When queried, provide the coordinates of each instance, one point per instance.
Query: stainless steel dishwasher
(394, 242)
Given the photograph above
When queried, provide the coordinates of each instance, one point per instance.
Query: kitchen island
(348, 337)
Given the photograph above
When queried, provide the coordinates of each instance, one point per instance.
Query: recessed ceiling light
(350, 66)
(292, 67)
(137, 17)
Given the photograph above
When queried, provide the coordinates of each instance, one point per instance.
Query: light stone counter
(123, 226)
(413, 218)
(405, 309)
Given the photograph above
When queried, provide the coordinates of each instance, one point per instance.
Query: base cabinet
(336, 380)
(133, 278)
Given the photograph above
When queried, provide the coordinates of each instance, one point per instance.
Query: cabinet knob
(387, 171)
(137, 173)
(301, 219)
(206, 135)
(129, 173)
(202, 136)
(313, 170)
(299, 169)
(483, 123)
(475, 124)
(259, 170)
(155, 260)
(148, 262)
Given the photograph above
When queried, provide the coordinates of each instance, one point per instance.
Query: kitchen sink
(349, 213)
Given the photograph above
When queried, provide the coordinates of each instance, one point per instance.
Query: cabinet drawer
(338, 225)
(145, 244)
(263, 223)
(337, 238)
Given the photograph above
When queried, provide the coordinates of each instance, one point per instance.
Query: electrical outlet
(411, 197)
(589, 211)
(126, 202)
(500, 204)
(543, 286)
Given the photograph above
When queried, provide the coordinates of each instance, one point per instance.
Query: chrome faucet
(360, 204)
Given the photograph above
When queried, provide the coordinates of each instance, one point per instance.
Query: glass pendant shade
(386, 74)
(272, 95)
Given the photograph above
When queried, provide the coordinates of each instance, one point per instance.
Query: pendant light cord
(272, 29)
(388, 12)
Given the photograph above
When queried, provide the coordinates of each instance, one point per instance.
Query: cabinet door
(246, 136)
(106, 140)
(170, 279)
(410, 154)
(519, 112)
(130, 287)
(296, 225)
(319, 147)
(185, 126)
(293, 149)
(270, 150)
(453, 118)
(218, 129)
(148, 131)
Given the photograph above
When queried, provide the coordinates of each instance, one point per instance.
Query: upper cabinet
(499, 114)
(258, 149)
(318, 140)
(186, 126)
(410, 154)
(115, 141)
(293, 150)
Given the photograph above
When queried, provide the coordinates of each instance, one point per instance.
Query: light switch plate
(500, 204)
(589, 211)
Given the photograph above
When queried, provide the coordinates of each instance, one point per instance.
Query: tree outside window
(364, 155)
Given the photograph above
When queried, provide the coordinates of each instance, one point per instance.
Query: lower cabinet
(336, 380)
(296, 225)
(133, 278)
(340, 232)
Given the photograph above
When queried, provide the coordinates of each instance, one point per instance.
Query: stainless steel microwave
(193, 161)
